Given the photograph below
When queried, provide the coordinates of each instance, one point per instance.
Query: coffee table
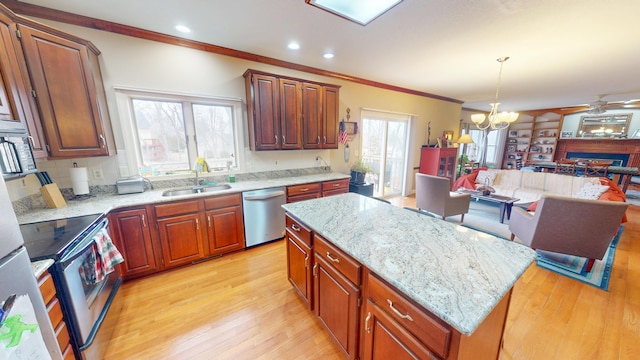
(506, 202)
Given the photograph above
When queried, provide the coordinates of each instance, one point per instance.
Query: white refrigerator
(25, 328)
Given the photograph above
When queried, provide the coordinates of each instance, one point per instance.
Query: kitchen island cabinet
(418, 273)
(49, 295)
(132, 237)
(299, 259)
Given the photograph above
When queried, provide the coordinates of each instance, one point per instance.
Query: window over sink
(168, 132)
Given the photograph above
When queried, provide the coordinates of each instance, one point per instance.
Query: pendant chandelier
(496, 120)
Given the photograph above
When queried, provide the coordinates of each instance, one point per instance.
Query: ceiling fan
(600, 106)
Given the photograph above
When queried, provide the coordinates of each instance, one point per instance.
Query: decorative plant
(359, 170)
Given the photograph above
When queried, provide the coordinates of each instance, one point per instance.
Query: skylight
(360, 11)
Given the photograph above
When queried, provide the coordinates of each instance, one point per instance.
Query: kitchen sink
(196, 190)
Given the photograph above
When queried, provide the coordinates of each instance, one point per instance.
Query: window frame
(131, 159)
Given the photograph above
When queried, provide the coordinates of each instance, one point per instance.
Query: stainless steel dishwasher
(263, 215)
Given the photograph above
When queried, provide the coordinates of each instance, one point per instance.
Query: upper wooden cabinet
(290, 114)
(67, 85)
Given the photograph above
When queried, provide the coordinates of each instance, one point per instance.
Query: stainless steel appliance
(90, 308)
(16, 156)
(263, 215)
(19, 292)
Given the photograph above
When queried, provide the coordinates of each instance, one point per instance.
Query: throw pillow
(486, 177)
(591, 191)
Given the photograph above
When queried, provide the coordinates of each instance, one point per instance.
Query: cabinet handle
(306, 262)
(366, 323)
(304, 189)
(315, 270)
(197, 224)
(403, 316)
(209, 220)
(284, 139)
(335, 260)
(295, 227)
(318, 141)
(336, 185)
(144, 222)
(104, 141)
(276, 136)
(31, 141)
(325, 139)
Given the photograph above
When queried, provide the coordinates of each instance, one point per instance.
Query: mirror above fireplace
(604, 126)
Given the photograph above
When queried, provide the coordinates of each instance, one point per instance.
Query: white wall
(148, 65)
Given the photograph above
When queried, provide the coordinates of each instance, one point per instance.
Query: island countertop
(457, 273)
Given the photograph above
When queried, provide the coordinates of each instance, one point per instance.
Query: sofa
(529, 186)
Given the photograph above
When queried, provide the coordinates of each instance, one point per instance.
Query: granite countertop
(105, 203)
(40, 267)
(457, 273)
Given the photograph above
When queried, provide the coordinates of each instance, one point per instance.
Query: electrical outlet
(97, 174)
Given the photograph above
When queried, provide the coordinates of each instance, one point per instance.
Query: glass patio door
(384, 147)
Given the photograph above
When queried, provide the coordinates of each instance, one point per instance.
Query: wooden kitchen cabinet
(287, 113)
(225, 223)
(336, 293)
(304, 192)
(69, 93)
(11, 84)
(300, 259)
(48, 291)
(180, 232)
(335, 187)
(439, 162)
(132, 237)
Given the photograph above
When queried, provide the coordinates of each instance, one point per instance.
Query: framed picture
(511, 148)
(542, 133)
(535, 149)
(568, 134)
(449, 143)
(513, 133)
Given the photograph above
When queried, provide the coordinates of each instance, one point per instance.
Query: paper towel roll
(79, 180)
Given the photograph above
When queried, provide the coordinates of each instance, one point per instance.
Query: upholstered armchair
(433, 195)
(570, 226)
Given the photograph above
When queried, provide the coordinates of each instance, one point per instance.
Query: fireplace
(623, 152)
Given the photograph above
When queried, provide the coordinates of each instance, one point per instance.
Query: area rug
(576, 267)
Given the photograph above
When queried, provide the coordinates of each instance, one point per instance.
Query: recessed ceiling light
(183, 29)
(328, 55)
(360, 11)
(293, 46)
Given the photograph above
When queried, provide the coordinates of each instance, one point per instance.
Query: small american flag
(343, 133)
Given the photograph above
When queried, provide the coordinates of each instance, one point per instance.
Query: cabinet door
(331, 100)
(130, 230)
(264, 97)
(299, 267)
(290, 110)
(181, 239)
(225, 228)
(8, 110)
(312, 116)
(384, 338)
(336, 305)
(61, 75)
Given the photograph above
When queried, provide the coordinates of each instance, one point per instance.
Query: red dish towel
(103, 257)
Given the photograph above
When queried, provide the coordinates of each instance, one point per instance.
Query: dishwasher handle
(263, 196)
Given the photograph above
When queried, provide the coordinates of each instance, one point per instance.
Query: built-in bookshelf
(533, 137)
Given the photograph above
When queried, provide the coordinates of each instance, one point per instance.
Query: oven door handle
(83, 245)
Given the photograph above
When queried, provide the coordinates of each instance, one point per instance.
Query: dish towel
(102, 259)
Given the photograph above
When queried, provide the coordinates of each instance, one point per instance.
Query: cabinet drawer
(55, 312)
(179, 208)
(67, 353)
(336, 257)
(335, 185)
(222, 201)
(430, 331)
(303, 189)
(47, 288)
(300, 231)
(62, 335)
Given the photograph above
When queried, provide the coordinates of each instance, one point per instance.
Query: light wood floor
(241, 306)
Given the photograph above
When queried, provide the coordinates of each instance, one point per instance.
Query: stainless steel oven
(91, 306)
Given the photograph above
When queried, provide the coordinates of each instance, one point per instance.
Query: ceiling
(562, 53)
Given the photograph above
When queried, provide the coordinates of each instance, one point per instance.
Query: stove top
(49, 239)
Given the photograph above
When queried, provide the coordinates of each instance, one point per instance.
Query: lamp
(465, 139)
(497, 120)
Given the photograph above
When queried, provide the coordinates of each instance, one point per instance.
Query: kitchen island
(456, 274)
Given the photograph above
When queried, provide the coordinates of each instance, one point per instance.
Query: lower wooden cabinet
(225, 224)
(337, 295)
(48, 291)
(335, 187)
(181, 239)
(304, 192)
(130, 232)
